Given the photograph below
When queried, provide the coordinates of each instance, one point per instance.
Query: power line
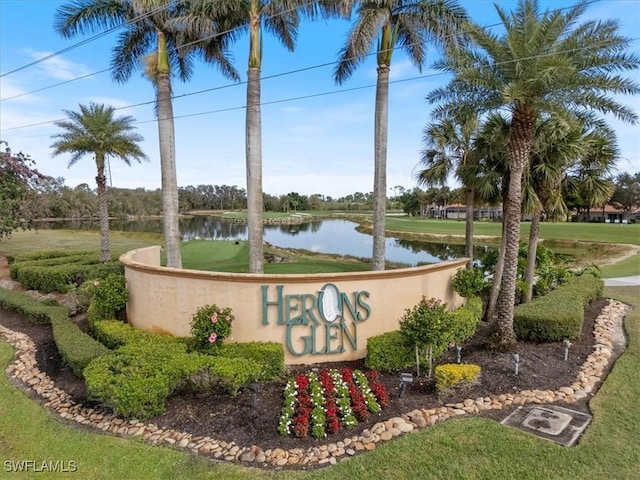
(85, 41)
(134, 20)
(290, 99)
(299, 70)
(179, 47)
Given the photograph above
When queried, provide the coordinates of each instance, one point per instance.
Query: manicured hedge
(44, 254)
(57, 278)
(389, 352)
(268, 354)
(76, 347)
(136, 379)
(54, 270)
(466, 320)
(115, 334)
(558, 315)
(33, 310)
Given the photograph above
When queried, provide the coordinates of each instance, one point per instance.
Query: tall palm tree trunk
(520, 141)
(103, 209)
(534, 233)
(489, 315)
(468, 231)
(381, 130)
(254, 172)
(253, 130)
(167, 157)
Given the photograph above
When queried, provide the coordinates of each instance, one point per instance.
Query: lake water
(335, 236)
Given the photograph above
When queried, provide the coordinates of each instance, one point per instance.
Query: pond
(331, 236)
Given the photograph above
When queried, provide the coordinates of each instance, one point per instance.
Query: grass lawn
(584, 232)
(624, 268)
(21, 242)
(471, 448)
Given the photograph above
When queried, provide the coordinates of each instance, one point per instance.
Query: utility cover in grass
(558, 424)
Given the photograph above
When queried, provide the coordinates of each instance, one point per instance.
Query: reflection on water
(337, 236)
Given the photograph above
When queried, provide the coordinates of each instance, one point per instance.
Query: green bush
(228, 374)
(109, 300)
(85, 292)
(136, 379)
(210, 325)
(45, 254)
(465, 320)
(57, 278)
(389, 352)
(114, 334)
(269, 355)
(558, 315)
(33, 310)
(451, 375)
(469, 283)
(76, 347)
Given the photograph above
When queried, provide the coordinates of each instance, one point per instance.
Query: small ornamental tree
(427, 326)
(210, 326)
(19, 185)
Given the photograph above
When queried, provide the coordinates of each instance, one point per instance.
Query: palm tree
(94, 130)
(544, 62)
(448, 148)
(589, 178)
(407, 24)
(149, 38)
(558, 144)
(280, 18)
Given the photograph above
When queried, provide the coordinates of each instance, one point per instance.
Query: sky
(317, 136)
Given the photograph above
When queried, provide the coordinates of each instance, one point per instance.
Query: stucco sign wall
(317, 318)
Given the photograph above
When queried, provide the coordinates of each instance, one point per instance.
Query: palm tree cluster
(539, 89)
(517, 123)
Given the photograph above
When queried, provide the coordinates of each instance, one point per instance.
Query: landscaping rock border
(23, 371)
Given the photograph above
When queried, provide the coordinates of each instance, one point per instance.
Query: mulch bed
(234, 419)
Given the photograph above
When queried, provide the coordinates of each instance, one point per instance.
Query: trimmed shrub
(109, 300)
(57, 278)
(33, 310)
(228, 374)
(465, 320)
(389, 352)
(114, 334)
(558, 315)
(44, 254)
(76, 347)
(137, 379)
(469, 283)
(268, 354)
(451, 375)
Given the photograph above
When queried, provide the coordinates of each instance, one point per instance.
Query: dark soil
(234, 419)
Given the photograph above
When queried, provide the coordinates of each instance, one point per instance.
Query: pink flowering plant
(210, 326)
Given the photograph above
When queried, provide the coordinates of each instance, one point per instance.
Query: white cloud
(57, 67)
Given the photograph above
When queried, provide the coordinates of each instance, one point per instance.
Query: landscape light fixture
(566, 344)
(458, 353)
(405, 379)
(253, 388)
(516, 362)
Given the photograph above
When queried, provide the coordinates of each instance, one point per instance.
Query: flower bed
(322, 403)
